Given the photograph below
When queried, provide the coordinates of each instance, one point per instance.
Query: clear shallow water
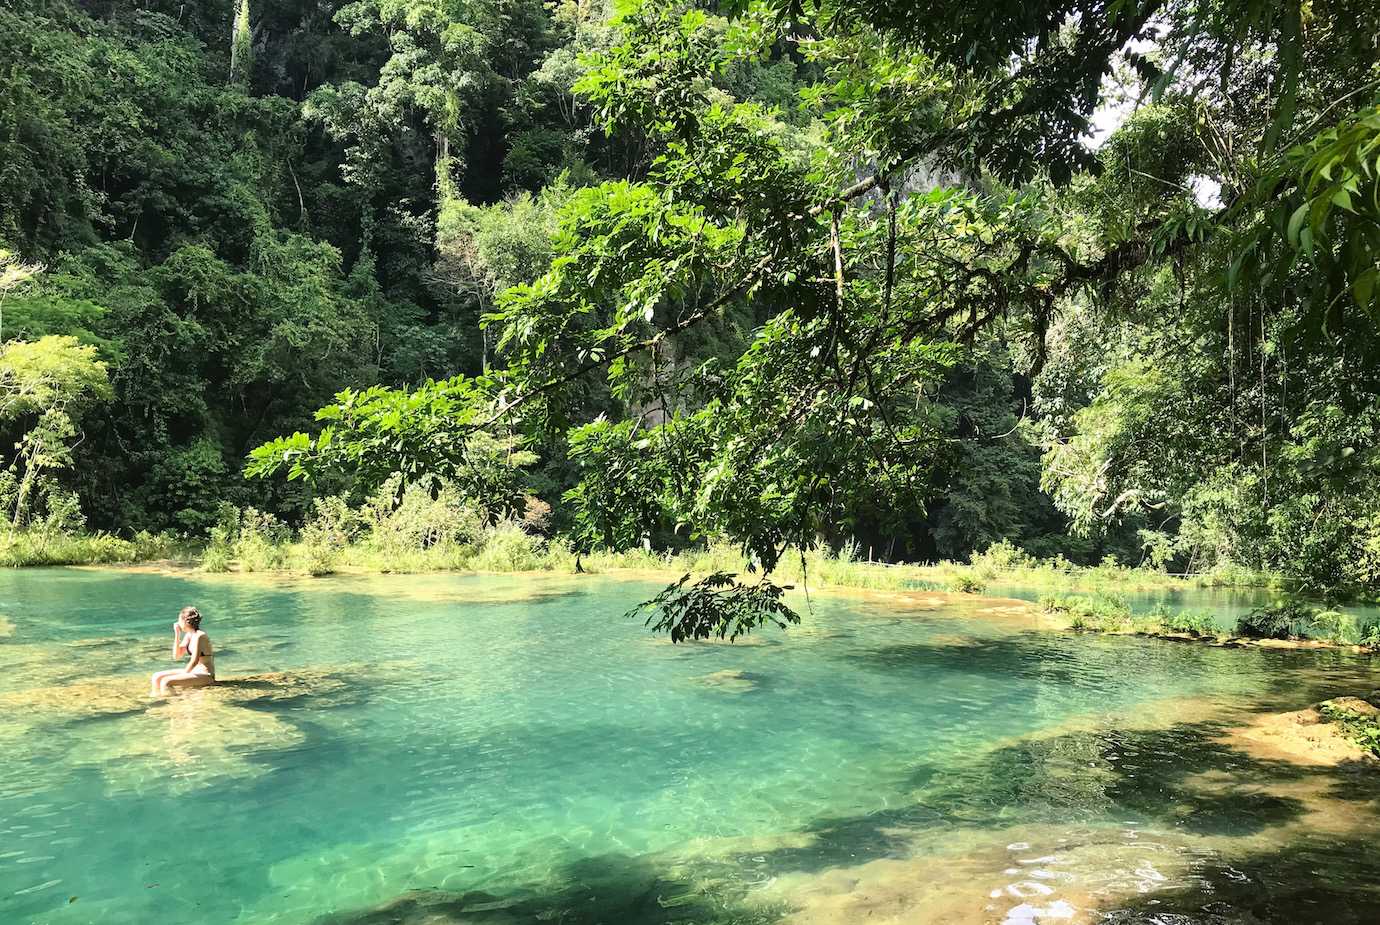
(509, 749)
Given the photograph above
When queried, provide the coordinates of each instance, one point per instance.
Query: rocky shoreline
(1318, 734)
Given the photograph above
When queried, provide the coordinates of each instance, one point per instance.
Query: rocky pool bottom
(504, 750)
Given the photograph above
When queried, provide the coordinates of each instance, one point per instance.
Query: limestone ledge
(1308, 736)
(1223, 642)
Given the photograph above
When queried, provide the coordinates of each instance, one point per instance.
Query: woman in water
(188, 640)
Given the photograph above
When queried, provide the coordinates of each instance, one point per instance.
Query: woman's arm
(178, 649)
(195, 651)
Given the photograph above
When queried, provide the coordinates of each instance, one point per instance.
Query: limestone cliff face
(659, 404)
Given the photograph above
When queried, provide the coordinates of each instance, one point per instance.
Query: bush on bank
(416, 530)
(19, 548)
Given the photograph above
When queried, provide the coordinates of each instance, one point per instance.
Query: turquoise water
(505, 749)
(1226, 604)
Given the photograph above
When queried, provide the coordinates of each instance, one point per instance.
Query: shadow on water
(1296, 678)
(1030, 656)
(1181, 778)
(1154, 776)
(1297, 882)
(1177, 779)
(1067, 779)
(1281, 678)
(606, 889)
(1266, 863)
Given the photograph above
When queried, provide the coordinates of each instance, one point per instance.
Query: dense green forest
(653, 274)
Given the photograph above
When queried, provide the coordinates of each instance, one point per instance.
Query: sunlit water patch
(466, 749)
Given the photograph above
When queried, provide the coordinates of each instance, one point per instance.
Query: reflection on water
(503, 750)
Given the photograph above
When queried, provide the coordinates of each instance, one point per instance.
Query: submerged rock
(528, 594)
(689, 645)
(953, 640)
(187, 742)
(187, 739)
(87, 698)
(6, 626)
(442, 907)
(119, 695)
(101, 642)
(931, 601)
(731, 680)
(978, 881)
(1005, 610)
(1291, 643)
(277, 686)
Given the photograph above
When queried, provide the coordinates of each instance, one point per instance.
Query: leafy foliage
(1324, 198)
(44, 388)
(419, 438)
(1363, 730)
(716, 605)
(1103, 612)
(1282, 621)
(1193, 622)
(766, 276)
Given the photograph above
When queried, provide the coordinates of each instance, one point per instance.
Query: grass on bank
(412, 541)
(1111, 613)
(37, 547)
(418, 532)
(424, 534)
(1294, 620)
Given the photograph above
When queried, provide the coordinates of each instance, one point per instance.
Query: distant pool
(509, 749)
(1226, 604)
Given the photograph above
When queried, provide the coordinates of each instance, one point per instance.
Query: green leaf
(1363, 287)
(1296, 222)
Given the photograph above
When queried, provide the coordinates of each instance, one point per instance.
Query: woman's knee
(185, 679)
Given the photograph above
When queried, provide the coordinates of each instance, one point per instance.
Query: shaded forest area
(668, 273)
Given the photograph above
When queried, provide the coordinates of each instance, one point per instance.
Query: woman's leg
(159, 677)
(186, 679)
